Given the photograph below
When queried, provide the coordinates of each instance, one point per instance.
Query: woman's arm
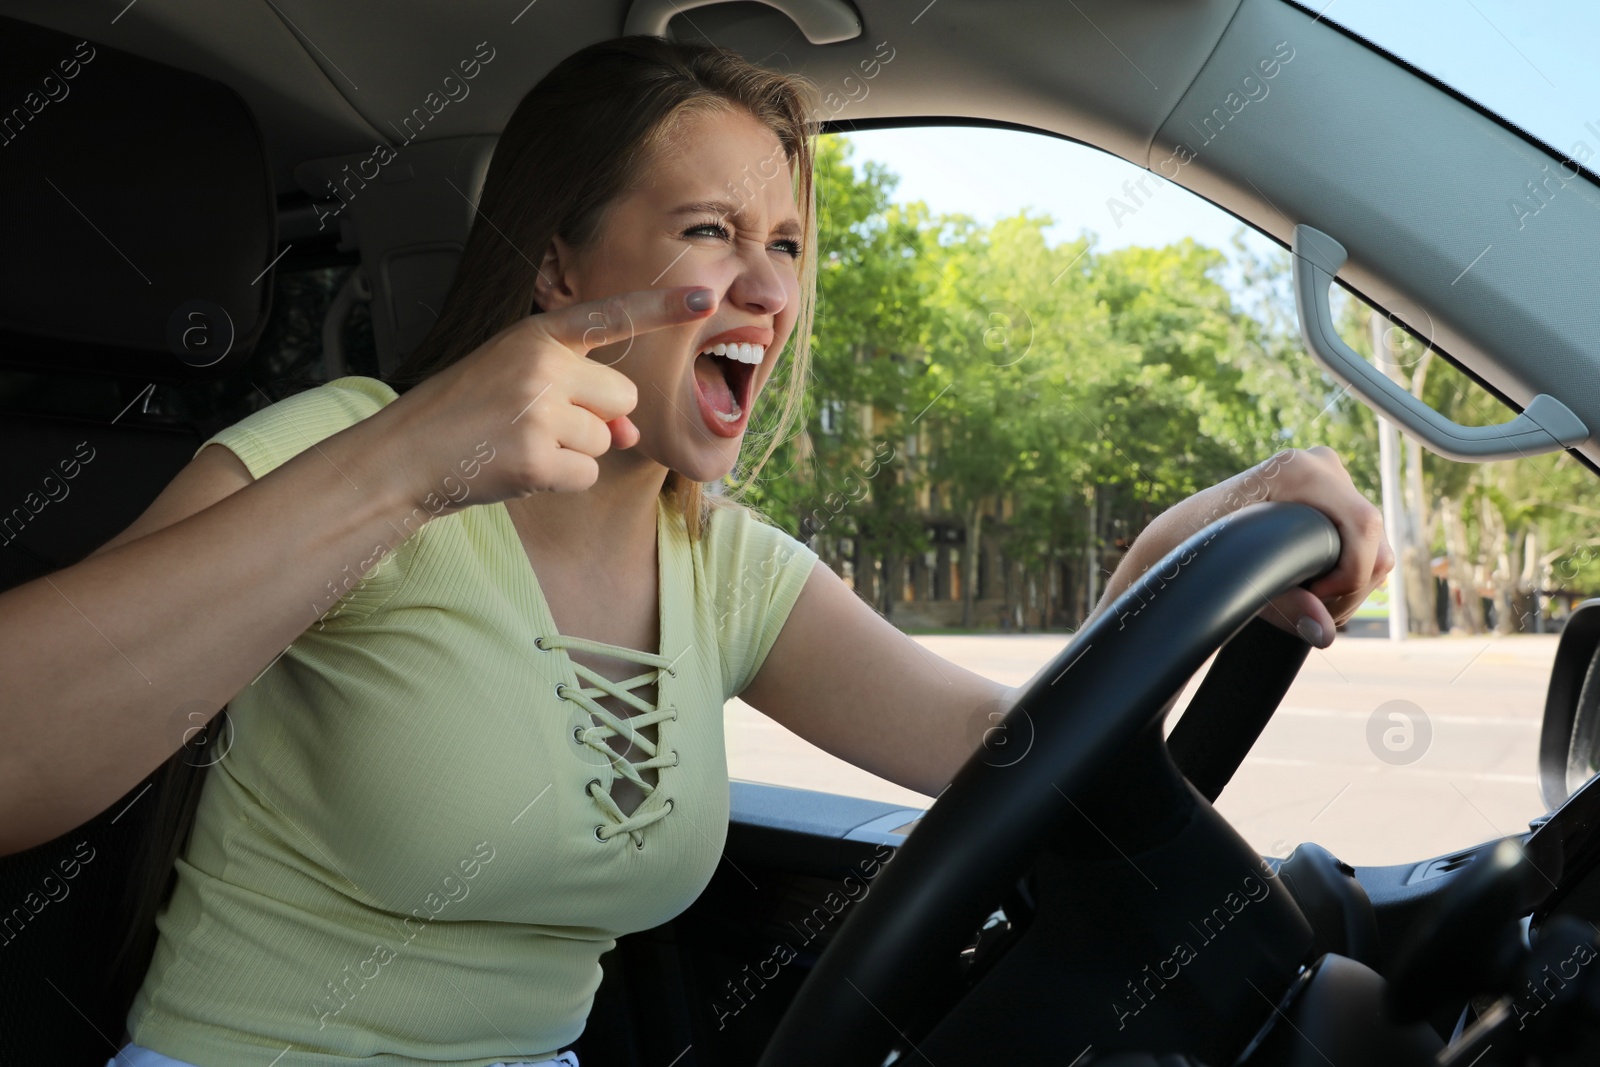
(842, 677)
(845, 679)
(185, 607)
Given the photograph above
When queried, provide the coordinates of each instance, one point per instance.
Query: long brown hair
(579, 140)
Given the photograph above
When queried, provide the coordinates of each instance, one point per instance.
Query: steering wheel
(1129, 855)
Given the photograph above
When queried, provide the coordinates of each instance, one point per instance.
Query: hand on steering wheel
(1317, 477)
(1314, 477)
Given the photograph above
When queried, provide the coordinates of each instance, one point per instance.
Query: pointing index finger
(596, 323)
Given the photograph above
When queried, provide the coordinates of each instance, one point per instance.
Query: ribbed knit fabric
(395, 862)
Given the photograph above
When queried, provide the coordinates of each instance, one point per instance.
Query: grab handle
(1545, 425)
(822, 21)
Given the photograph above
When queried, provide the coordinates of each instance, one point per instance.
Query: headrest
(140, 213)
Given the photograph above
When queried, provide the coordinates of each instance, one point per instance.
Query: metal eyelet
(670, 804)
(538, 642)
(638, 845)
(674, 762)
(672, 672)
(577, 734)
(674, 714)
(597, 828)
(561, 687)
(592, 781)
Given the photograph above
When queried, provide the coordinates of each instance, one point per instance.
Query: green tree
(871, 315)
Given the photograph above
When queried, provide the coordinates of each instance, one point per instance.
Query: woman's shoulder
(733, 529)
(750, 561)
(755, 570)
(270, 437)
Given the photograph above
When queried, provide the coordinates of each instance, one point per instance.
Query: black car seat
(140, 224)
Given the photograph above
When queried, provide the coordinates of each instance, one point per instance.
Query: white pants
(132, 1055)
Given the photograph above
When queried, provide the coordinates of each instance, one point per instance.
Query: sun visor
(139, 212)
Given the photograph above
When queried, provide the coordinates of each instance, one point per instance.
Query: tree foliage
(1047, 401)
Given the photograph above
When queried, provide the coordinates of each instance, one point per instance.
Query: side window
(1051, 347)
(320, 328)
(316, 307)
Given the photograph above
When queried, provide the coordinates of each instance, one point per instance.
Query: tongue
(713, 384)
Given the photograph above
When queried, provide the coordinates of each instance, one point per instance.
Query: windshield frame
(1556, 154)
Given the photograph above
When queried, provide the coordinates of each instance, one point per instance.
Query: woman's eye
(790, 246)
(722, 231)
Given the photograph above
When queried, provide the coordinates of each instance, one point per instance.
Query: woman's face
(716, 210)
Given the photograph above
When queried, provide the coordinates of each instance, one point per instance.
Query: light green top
(402, 857)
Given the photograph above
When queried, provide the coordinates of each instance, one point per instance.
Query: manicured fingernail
(1310, 629)
(699, 300)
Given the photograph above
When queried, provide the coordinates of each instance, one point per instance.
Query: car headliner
(1414, 181)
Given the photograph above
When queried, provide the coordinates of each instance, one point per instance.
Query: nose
(759, 286)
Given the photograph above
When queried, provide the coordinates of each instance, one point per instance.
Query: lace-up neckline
(627, 728)
(609, 724)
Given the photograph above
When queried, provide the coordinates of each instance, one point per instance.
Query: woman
(494, 741)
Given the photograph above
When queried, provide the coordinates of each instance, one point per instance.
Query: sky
(991, 174)
(1532, 63)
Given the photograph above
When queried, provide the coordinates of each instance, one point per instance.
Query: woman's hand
(1312, 476)
(1316, 476)
(527, 410)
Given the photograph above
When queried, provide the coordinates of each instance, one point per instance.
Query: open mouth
(723, 376)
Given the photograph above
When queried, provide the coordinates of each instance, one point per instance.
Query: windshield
(1531, 64)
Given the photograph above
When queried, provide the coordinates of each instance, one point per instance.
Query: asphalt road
(1457, 768)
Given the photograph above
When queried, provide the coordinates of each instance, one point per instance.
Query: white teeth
(744, 353)
(730, 416)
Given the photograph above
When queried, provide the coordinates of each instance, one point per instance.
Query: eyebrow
(789, 227)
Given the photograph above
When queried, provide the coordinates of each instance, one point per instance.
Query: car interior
(201, 151)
